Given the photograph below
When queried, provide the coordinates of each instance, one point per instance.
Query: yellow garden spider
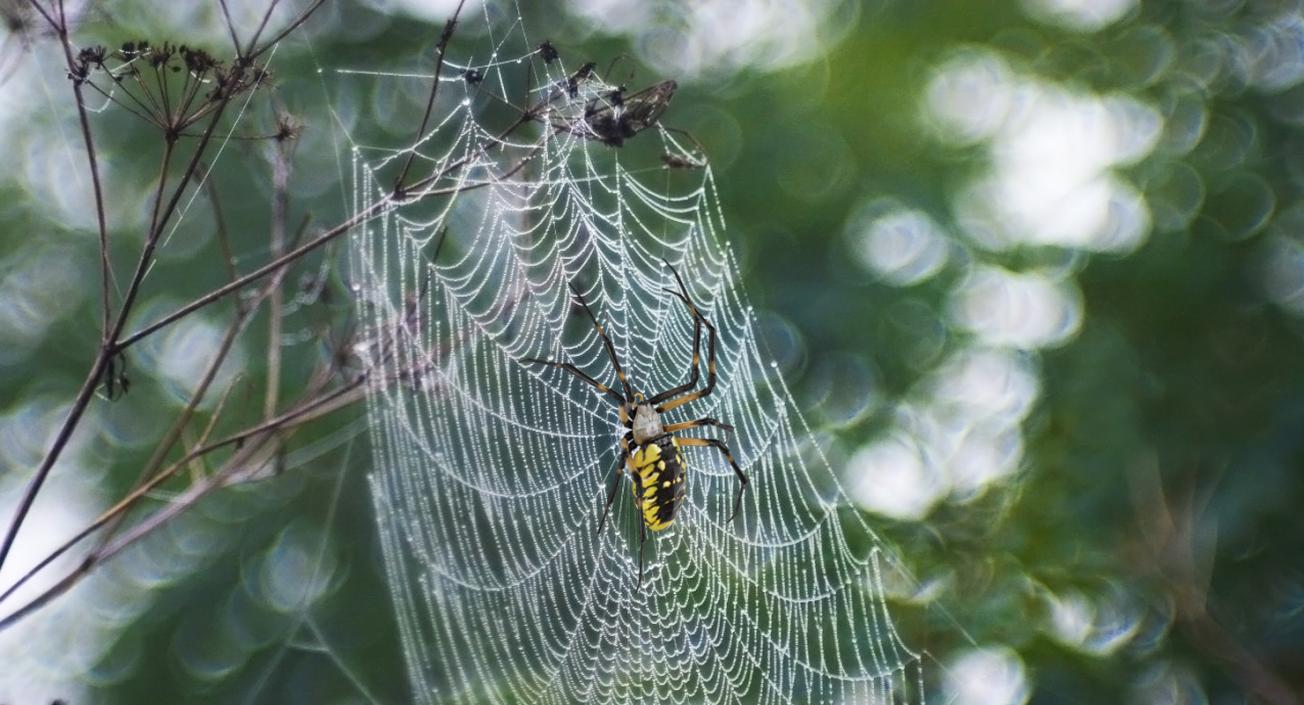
(649, 450)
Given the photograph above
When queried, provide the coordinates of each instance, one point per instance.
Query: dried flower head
(169, 85)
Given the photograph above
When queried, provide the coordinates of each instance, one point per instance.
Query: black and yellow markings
(656, 468)
(658, 472)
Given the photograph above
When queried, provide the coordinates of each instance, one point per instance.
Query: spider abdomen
(657, 471)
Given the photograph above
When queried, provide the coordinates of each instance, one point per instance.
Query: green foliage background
(1186, 372)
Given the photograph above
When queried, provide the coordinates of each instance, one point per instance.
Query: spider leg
(611, 349)
(615, 481)
(719, 445)
(578, 373)
(694, 370)
(685, 425)
(698, 321)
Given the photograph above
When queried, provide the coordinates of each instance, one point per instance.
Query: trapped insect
(682, 161)
(650, 452)
(619, 117)
(612, 116)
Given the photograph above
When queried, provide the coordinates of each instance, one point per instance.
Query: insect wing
(644, 108)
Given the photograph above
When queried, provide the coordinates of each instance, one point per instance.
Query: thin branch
(175, 432)
(315, 407)
(230, 26)
(164, 445)
(281, 164)
(106, 267)
(273, 266)
(197, 466)
(160, 451)
(114, 343)
(169, 144)
(60, 440)
(262, 24)
(304, 413)
(50, 20)
(108, 349)
(303, 17)
(374, 210)
(223, 239)
(441, 49)
(72, 578)
(140, 112)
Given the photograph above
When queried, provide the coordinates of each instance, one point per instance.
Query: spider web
(490, 474)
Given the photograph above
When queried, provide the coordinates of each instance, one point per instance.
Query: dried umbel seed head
(170, 85)
(92, 56)
(288, 127)
(132, 50)
(88, 59)
(197, 61)
(548, 52)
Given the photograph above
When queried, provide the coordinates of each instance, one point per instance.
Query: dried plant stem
(285, 31)
(176, 431)
(110, 345)
(261, 443)
(230, 26)
(108, 349)
(376, 209)
(441, 49)
(44, 13)
(254, 445)
(269, 268)
(223, 239)
(276, 303)
(106, 266)
(164, 447)
(262, 25)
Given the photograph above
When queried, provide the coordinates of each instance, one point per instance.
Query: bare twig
(176, 430)
(441, 49)
(108, 348)
(251, 443)
(298, 21)
(223, 239)
(197, 466)
(313, 408)
(106, 268)
(262, 24)
(269, 268)
(276, 303)
(160, 452)
(375, 210)
(230, 26)
(45, 14)
(260, 443)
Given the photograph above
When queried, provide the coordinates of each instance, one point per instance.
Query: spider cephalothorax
(650, 450)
